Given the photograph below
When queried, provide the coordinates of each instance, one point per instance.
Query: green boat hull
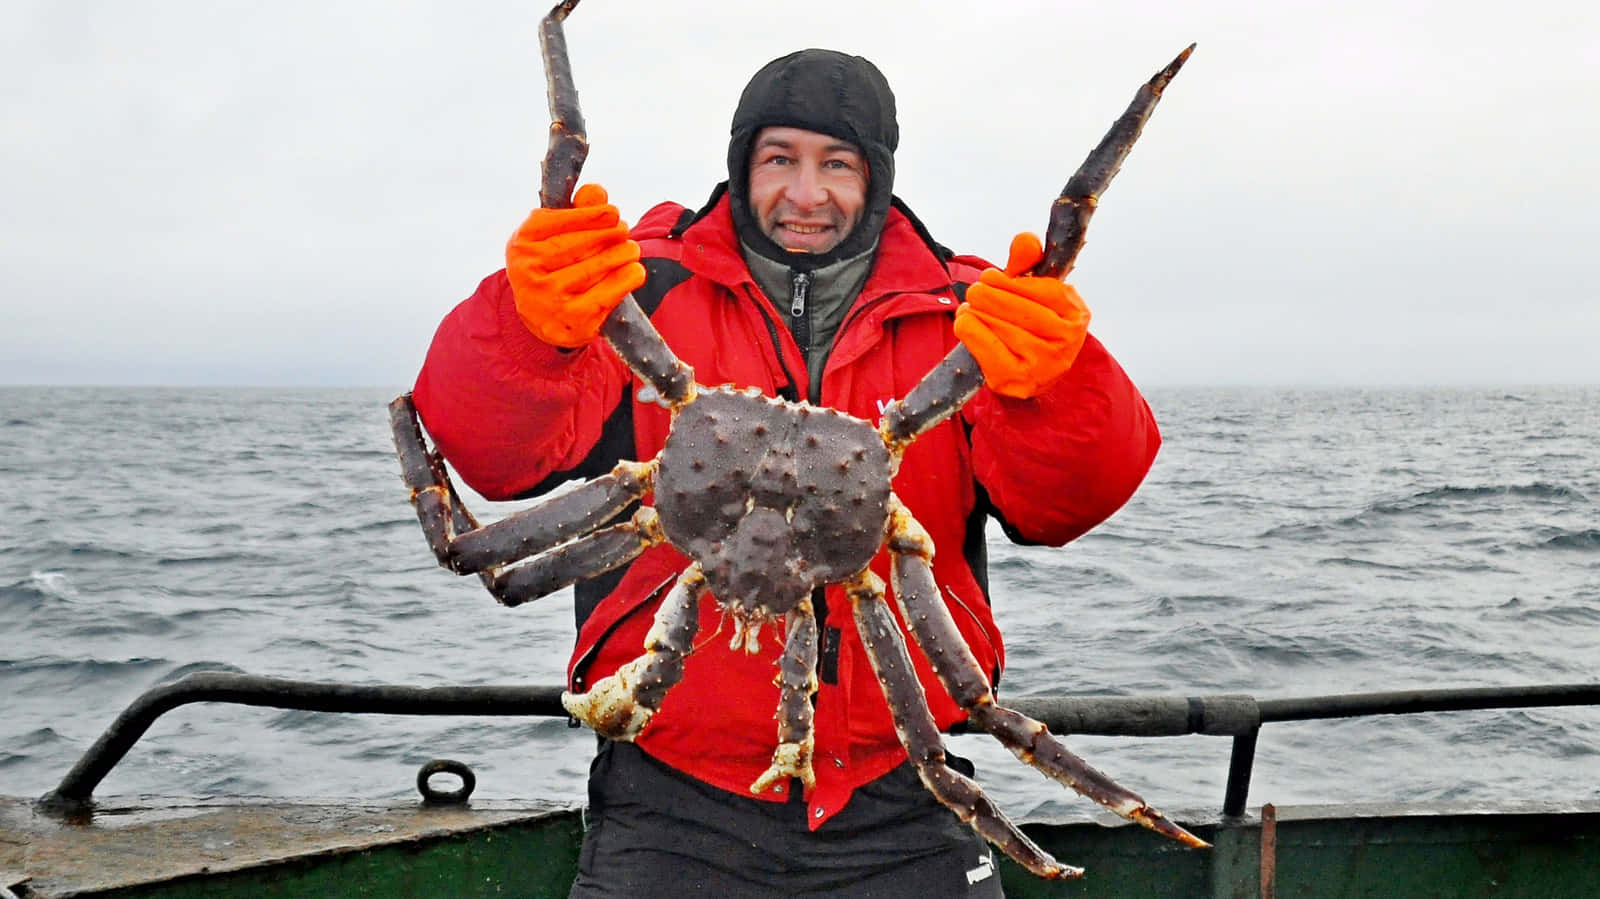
(178, 850)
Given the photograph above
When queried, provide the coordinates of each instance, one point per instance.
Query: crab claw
(612, 707)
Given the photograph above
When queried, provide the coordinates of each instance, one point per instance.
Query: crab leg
(797, 682)
(955, 380)
(619, 705)
(919, 733)
(569, 145)
(583, 558)
(432, 494)
(555, 521)
(464, 547)
(438, 506)
(1069, 217)
(935, 633)
(627, 329)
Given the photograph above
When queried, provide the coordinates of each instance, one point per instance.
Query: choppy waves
(1287, 543)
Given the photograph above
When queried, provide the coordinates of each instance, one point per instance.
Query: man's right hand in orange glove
(570, 267)
(1024, 331)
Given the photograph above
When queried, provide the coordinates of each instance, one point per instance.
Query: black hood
(830, 93)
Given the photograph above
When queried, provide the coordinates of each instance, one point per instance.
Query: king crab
(763, 529)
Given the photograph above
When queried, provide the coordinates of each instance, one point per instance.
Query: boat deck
(147, 843)
(183, 849)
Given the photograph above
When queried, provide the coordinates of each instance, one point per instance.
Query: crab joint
(789, 760)
(907, 536)
(648, 525)
(638, 477)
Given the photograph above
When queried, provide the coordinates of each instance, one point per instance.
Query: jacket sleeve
(1060, 463)
(505, 408)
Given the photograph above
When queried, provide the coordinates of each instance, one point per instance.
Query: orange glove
(1025, 332)
(570, 267)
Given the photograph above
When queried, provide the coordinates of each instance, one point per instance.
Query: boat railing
(1238, 716)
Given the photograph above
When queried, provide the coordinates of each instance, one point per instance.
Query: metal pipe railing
(244, 689)
(1237, 716)
(1398, 702)
(1409, 702)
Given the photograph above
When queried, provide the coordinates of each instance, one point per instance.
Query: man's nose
(806, 190)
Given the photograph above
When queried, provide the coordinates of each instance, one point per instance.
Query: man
(803, 276)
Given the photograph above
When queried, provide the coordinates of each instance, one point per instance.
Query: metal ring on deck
(430, 796)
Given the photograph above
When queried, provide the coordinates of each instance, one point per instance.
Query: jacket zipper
(800, 295)
(795, 387)
(800, 324)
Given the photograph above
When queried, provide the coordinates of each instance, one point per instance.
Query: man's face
(807, 190)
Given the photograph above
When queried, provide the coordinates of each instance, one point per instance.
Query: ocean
(1288, 542)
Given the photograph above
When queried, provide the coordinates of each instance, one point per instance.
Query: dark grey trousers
(652, 831)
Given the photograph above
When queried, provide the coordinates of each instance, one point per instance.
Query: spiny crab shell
(773, 499)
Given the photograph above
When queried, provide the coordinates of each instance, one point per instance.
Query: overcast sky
(293, 193)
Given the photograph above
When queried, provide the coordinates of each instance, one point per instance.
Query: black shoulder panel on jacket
(661, 276)
(689, 218)
(685, 219)
(614, 445)
(975, 543)
(939, 250)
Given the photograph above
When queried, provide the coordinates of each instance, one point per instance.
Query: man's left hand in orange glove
(1024, 331)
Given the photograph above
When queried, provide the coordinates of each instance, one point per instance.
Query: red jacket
(509, 412)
